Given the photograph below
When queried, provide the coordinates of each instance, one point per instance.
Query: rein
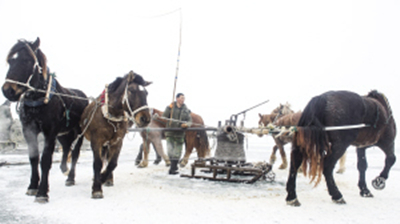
(50, 90)
(44, 91)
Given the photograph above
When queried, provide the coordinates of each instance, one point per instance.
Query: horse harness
(51, 86)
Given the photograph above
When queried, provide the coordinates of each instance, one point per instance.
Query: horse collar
(108, 116)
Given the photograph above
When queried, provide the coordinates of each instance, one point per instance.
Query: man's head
(180, 99)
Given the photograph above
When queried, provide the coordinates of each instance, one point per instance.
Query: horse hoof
(182, 164)
(142, 165)
(69, 183)
(282, 166)
(42, 199)
(294, 203)
(379, 183)
(366, 193)
(66, 173)
(340, 171)
(156, 162)
(97, 195)
(137, 162)
(32, 192)
(109, 183)
(339, 201)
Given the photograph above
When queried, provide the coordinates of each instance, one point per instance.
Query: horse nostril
(8, 92)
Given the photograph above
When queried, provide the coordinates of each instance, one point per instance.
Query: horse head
(265, 119)
(27, 67)
(131, 92)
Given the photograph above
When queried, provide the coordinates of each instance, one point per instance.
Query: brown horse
(280, 111)
(266, 119)
(330, 123)
(193, 139)
(281, 140)
(105, 126)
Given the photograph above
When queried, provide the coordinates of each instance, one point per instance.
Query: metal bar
(251, 108)
(345, 127)
(264, 131)
(171, 129)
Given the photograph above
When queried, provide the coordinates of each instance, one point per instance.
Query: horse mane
(42, 61)
(114, 85)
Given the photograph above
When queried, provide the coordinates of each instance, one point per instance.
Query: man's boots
(173, 169)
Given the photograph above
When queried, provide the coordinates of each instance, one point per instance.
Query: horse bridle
(130, 114)
(37, 66)
(126, 100)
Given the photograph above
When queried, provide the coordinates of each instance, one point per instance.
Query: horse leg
(66, 149)
(97, 192)
(139, 156)
(342, 164)
(146, 149)
(159, 148)
(107, 176)
(189, 145)
(158, 157)
(45, 165)
(30, 135)
(283, 155)
(295, 162)
(75, 155)
(272, 158)
(379, 182)
(362, 167)
(329, 165)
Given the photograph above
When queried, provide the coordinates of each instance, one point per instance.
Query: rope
(44, 91)
(87, 125)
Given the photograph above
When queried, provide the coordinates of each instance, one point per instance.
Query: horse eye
(27, 61)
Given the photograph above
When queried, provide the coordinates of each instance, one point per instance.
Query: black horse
(45, 107)
(317, 149)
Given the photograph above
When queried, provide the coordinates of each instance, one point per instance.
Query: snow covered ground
(151, 196)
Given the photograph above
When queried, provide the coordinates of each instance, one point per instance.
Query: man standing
(180, 119)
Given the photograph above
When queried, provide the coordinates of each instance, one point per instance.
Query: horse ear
(36, 44)
(131, 76)
(147, 83)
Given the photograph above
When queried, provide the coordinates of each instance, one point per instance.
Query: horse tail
(311, 139)
(203, 143)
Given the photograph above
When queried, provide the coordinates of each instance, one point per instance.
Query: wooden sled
(229, 162)
(236, 173)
